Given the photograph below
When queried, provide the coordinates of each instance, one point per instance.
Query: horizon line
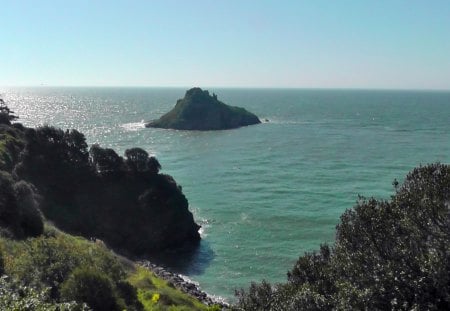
(233, 87)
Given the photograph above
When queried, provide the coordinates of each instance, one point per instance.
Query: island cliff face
(198, 110)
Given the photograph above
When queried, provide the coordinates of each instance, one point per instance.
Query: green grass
(149, 287)
(56, 254)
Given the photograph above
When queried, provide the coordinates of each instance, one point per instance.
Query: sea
(263, 194)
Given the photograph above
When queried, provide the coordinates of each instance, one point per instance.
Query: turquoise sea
(263, 194)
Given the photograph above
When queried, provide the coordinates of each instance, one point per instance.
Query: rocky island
(199, 110)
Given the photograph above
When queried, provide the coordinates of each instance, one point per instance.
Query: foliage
(28, 205)
(259, 297)
(2, 260)
(387, 255)
(157, 294)
(6, 115)
(15, 296)
(92, 287)
(88, 192)
(19, 212)
(51, 153)
(47, 261)
(11, 144)
(128, 293)
(105, 160)
(138, 160)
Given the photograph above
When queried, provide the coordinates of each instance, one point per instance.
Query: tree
(105, 160)
(6, 115)
(16, 296)
(19, 212)
(153, 165)
(138, 160)
(31, 221)
(92, 287)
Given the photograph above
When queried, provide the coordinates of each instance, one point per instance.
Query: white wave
(275, 120)
(188, 280)
(133, 126)
(205, 224)
(214, 298)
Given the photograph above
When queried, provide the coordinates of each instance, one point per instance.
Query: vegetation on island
(388, 255)
(49, 174)
(199, 110)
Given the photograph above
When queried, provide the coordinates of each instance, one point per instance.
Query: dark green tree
(6, 115)
(105, 160)
(138, 160)
(27, 199)
(92, 287)
(19, 210)
(153, 165)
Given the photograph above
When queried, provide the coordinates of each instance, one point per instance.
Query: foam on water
(134, 126)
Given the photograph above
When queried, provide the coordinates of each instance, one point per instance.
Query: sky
(226, 43)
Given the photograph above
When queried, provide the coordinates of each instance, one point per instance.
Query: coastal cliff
(48, 177)
(124, 201)
(199, 110)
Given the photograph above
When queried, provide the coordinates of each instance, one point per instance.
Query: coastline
(184, 284)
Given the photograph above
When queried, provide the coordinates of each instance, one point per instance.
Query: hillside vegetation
(58, 271)
(95, 192)
(49, 174)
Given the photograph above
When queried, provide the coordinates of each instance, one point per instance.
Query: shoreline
(184, 284)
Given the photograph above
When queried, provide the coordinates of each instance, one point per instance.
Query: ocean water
(263, 194)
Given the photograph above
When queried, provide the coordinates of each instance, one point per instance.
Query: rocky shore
(184, 284)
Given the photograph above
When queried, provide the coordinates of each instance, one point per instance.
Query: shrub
(2, 261)
(48, 261)
(6, 115)
(128, 293)
(92, 287)
(16, 296)
(27, 201)
(19, 213)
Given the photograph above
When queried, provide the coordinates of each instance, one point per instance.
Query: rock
(198, 110)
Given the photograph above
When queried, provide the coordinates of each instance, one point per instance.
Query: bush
(27, 201)
(92, 287)
(19, 213)
(6, 115)
(2, 261)
(16, 296)
(128, 293)
(48, 261)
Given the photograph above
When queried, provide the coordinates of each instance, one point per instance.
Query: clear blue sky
(229, 43)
